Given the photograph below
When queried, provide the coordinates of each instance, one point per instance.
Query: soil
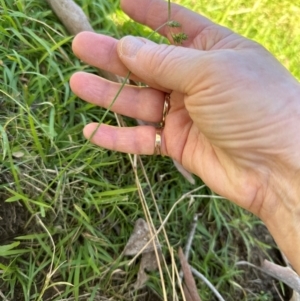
(13, 218)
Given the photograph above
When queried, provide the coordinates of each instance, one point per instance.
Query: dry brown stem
(189, 287)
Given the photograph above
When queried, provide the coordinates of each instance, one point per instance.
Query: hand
(235, 111)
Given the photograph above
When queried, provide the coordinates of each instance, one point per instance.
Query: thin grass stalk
(157, 211)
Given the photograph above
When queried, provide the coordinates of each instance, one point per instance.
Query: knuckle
(159, 61)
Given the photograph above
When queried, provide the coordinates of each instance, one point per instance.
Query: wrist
(282, 215)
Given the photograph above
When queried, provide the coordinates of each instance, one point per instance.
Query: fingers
(99, 51)
(134, 140)
(136, 102)
(154, 13)
(173, 67)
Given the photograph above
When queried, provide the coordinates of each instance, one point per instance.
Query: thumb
(172, 67)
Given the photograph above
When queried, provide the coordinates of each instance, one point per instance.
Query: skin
(235, 111)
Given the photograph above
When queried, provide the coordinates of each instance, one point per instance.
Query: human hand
(234, 109)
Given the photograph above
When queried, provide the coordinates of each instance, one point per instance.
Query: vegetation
(67, 208)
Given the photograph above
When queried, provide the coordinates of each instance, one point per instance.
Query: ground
(14, 217)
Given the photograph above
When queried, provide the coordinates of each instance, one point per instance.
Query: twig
(206, 281)
(74, 19)
(190, 288)
(283, 274)
(71, 15)
(188, 245)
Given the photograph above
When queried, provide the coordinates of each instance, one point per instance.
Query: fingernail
(130, 46)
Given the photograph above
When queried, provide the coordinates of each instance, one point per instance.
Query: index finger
(154, 13)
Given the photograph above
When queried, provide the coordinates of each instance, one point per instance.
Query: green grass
(82, 201)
